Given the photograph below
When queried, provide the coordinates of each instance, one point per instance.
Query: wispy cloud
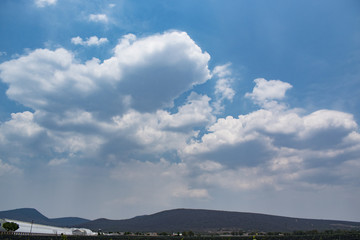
(223, 88)
(103, 18)
(44, 3)
(94, 40)
(7, 169)
(57, 161)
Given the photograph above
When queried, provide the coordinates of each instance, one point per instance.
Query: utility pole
(32, 221)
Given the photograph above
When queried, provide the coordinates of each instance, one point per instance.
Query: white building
(34, 228)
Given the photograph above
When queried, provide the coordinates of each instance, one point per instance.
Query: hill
(197, 220)
(179, 220)
(31, 214)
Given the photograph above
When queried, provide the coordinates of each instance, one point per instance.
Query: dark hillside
(31, 214)
(211, 220)
(25, 214)
(179, 220)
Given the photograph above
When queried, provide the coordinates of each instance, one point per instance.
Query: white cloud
(327, 119)
(265, 92)
(274, 145)
(222, 70)
(223, 88)
(44, 3)
(103, 18)
(21, 124)
(94, 40)
(162, 131)
(23, 140)
(196, 112)
(77, 40)
(144, 74)
(109, 111)
(111, 118)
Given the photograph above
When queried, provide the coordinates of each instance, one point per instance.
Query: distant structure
(34, 228)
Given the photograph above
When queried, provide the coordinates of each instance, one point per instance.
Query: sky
(117, 109)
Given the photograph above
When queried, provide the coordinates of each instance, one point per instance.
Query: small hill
(31, 214)
(68, 221)
(210, 220)
(25, 214)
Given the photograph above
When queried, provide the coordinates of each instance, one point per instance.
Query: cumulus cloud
(144, 74)
(162, 131)
(21, 124)
(44, 3)
(94, 40)
(275, 145)
(265, 93)
(21, 138)
(103, 18)
(104, 110)
(119, 114)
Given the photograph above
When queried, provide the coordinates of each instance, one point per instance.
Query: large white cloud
(111, 117)
(111, 114)
(276, 145)
(111, 110)
(144, 74)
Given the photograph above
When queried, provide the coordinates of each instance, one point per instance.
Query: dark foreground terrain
(344, 235)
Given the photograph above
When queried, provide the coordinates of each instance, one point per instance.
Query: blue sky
(122, 108)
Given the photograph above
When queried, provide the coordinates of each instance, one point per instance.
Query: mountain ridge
(182, 219)
(33, 215)
(202, 220)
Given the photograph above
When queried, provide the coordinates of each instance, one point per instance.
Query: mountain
(197, 220)
(31, 214)
(179, 220)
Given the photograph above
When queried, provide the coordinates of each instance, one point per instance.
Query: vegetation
(296, 235)
(64, 237)
(188, 233)
(10, 226)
